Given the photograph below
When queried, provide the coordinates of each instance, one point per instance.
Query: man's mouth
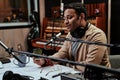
(68, 27)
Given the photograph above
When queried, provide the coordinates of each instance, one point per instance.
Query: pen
(57, 74)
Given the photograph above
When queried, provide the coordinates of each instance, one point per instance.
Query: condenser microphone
(56, 36)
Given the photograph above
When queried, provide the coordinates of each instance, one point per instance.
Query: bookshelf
(54, 26)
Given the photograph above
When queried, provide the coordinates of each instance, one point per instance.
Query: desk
(35, 71)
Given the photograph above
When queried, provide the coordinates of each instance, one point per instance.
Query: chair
(115, 61)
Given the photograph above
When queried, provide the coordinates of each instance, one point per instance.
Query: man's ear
(79, 17)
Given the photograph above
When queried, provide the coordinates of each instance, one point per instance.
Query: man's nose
(66, 21)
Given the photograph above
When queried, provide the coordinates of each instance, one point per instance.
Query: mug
(22, 57)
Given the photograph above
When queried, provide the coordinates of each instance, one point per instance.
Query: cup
(22, 57)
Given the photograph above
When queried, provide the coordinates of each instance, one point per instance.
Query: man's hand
(39, 61)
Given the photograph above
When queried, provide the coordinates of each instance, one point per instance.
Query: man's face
(71, 19)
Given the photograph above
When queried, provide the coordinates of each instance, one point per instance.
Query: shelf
(53, 26)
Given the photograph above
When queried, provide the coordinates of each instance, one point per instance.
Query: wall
(42, 14)
(13, 37)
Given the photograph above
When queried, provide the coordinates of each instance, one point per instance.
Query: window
(14, 13)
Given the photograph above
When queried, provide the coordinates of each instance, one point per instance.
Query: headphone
(9, 75)
(79, 32)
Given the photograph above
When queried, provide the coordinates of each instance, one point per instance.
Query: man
(75, 19)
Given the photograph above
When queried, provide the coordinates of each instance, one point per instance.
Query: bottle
(21, 56)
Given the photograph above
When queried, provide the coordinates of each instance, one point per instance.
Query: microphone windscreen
(62, 32)
(8, 75)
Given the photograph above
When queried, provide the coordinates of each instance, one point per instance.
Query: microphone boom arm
(89, 68)
(9, 51)
(48, 57)
(87, 42)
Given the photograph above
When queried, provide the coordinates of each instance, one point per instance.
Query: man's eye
(69, 17)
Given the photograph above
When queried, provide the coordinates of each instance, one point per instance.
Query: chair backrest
(115, 61)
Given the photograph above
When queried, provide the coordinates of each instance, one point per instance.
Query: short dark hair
(79, 8)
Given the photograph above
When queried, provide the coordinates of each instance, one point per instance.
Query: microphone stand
(48, 57)
(92, 71)
(10, 51)
(87, 42)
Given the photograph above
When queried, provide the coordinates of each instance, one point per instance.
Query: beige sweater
(86, 53)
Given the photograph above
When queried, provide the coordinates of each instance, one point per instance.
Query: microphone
(53, 38)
